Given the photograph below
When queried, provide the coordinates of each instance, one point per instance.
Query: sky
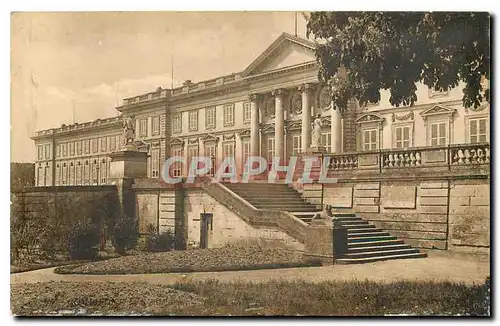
(76, 67)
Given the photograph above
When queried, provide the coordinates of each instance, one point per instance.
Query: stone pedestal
(325, 241)
(128, 163)
(126, 166)
(315, 168)
(319, 243)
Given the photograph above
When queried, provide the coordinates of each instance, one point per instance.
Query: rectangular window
(177, 166)
(112, 143)
(478, 130)
(71, 148)
(86, 146)
(228, 115)
(103, 171)
(402, 137)
(247, 112)
(58, 175)
(78, 173)
(58, 150)
(177, 123)
(79, 147)
(228, 149)
(246, 154)
(438, 134)
(40, 152)
(296, 144)
(143, 127)
(155, 128)
(71, 173)
(64, 148)
(270, 150)
(95, 176)
(86, 173)
(64, 174)
(104, 141)
(210, 118)
(193, 121)
(370, 139)
(326, 140)
(192, 151)
(95, 145)
(155, 163)
(47, 151)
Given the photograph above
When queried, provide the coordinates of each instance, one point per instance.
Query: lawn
(297, 298)
(197, 260)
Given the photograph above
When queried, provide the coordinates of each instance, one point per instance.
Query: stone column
(279, 124)
(306, 116)
(336, 130)
(254, 125)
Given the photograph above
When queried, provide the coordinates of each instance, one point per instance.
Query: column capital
(278, 92)
(254, 97)
(305, 87)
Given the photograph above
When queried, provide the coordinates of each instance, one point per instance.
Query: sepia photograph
(250, 163)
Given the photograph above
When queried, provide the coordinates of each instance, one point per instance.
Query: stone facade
(264, 110)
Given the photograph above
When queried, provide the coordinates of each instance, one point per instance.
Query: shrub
(83, 241)
(160, 242)
(125, 235)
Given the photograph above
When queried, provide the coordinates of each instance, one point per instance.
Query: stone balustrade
(470, 154)
(446, 157)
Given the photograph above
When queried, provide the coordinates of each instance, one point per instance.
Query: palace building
(265, 110)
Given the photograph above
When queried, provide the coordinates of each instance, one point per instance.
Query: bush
(160, 242)
(83, 241)
(125, 235)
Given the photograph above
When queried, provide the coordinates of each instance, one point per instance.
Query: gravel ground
(98, 298)
(198, 260)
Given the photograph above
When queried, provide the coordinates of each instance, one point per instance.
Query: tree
(394, 50)
(22, 175)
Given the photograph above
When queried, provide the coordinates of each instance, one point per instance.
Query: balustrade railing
(470, 154)
(343, 162)
(417, 157)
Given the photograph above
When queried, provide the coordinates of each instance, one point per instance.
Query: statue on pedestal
(316, 132)
(128, 131)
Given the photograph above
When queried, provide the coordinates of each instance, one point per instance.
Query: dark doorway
(206, 227)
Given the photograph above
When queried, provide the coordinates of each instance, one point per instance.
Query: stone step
(367, 234)
(379, 258)
(271, 200)
(260, 195)
(363, 244)
(381, 247)
(360, 227)
(380, 253)
(367, 229)
(370, 238)
(354, 223)
(286, 209)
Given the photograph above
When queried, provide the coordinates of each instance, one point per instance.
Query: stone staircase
(366, 243)
(275, 196)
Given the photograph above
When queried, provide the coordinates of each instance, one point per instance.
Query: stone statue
(128, 131)
(316, 131)
(325, 214)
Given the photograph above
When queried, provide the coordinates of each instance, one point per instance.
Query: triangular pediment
(437, 110)
(295, 125)
(286, 51)
(210, 137)
(245, 133)
(370, 117)
(268, 129)
(177, 141)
